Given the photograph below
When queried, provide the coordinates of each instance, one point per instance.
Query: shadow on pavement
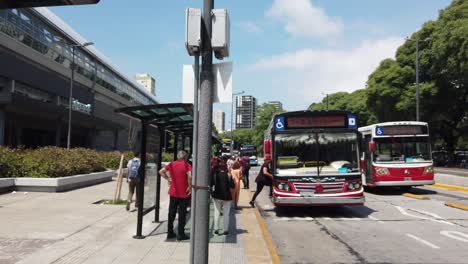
(358, 211)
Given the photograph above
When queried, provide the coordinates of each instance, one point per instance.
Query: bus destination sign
(316, 121)
(400, 130)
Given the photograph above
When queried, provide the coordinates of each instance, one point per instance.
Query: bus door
(367, 159)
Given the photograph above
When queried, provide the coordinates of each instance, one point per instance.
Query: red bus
(396, 154)
(315, 158)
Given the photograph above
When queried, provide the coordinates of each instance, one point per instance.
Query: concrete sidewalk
(69, 228)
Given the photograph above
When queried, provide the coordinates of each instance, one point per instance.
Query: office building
(278, 104)
(246, 107)
(147, 81)
(219, 119)
(36, 54)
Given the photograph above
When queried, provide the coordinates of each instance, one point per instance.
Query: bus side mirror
(372, 146)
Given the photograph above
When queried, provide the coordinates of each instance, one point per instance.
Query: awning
(175, 117)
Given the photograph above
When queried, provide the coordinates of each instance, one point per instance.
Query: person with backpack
(264, 178)
(133, 179)
(179, 176)
(221, 184)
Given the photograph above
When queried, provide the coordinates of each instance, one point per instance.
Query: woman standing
(236, 174)
(221, 185)
(264, 178)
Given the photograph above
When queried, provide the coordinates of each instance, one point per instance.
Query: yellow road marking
(415, 196)
(269, 241)
(450, 187)
(457, 205)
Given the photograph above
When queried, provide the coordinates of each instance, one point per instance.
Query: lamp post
(70, 99)
(417, 72)
(326, 94)
(232, 114)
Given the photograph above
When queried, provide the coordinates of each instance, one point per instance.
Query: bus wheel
(406, 188)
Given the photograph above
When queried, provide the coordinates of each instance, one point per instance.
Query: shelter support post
(141, 183)
(158, 179)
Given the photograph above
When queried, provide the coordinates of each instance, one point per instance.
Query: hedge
(53, 162)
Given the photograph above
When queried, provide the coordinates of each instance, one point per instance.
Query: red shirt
(178, 170)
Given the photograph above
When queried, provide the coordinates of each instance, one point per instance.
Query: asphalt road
(389, 228)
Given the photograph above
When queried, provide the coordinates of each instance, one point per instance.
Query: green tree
(354, 102)
(443, 78)
(264, 115)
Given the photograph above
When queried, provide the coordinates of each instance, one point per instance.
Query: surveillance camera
(218, 55)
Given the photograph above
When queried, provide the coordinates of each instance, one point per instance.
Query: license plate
(407, 178)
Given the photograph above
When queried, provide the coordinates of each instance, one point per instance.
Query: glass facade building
(25, 26)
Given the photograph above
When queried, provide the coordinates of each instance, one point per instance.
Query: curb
(267, 237)
(415, 196)
(450, 187)
(457, 205)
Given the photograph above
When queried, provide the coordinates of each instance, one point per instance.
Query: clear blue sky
(294, 51)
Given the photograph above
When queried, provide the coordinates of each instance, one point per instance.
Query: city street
(389, 228)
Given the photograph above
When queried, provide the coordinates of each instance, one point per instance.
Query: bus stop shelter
(176, 118)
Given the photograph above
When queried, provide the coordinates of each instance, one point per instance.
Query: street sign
(4, 4)
(222, 73)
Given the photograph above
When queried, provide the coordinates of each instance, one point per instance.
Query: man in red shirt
(179, 176)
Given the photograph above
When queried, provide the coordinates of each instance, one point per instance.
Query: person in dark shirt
(221, 185)
(264, 178)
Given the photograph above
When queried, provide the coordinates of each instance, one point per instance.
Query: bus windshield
(402, 149)
(316, 154)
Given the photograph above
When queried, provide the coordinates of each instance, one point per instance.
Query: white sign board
(222, 73)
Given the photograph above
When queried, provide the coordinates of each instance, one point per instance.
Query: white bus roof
(393, 123)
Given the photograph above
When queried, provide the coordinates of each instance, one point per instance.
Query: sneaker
(127, 207)
(170, 235)
(217, 232)
(183, 237)
(226, 233)
(252, 203)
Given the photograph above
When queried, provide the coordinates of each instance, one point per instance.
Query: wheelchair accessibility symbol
(279, 124)
(379, 131)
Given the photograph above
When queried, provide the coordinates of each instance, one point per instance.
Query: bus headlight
(428, 170)
(354, 186)
(284, 186)
(381, 171)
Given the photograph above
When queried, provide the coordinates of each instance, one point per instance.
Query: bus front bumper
(404, 183)
(318, 200)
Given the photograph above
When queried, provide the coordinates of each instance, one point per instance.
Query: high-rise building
(147, 81)
(219, 118)
(246, 107)
(278, 104)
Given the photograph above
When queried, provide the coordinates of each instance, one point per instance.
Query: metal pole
(195, 156)
(200, 254)
(176, 140)
(70, 97)
(417, 79)
(232, 131)
(158, 179)
(141, 183)
(327, 102)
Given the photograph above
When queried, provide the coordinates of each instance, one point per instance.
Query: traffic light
(5, 4)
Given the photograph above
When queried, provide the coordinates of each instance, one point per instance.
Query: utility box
(193, 30)
(220, 33)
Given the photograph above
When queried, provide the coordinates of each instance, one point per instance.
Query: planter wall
(55, 184)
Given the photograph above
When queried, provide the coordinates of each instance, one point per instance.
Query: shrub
(56, 162)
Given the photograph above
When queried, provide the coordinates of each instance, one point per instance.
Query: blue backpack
(133, 170)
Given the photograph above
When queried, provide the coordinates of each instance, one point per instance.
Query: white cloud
(250, 27)
(303, 19)
(311, 72)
